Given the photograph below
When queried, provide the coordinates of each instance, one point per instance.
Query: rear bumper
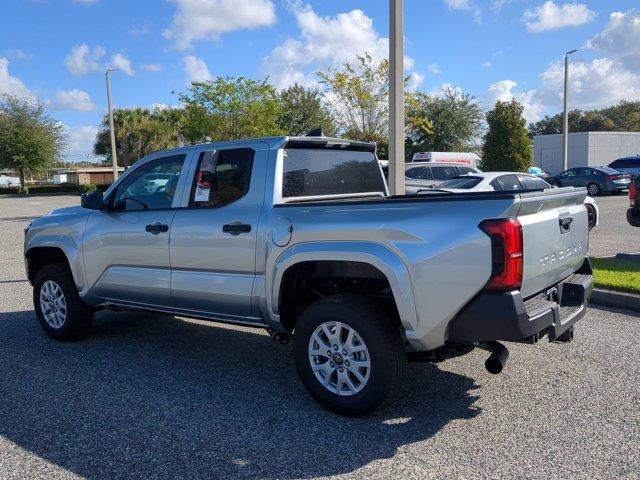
(507, 316)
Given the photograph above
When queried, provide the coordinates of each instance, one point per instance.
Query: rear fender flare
(376, 255)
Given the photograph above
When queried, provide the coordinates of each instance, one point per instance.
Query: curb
(609, 298)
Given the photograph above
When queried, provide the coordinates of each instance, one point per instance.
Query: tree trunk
(23, 182)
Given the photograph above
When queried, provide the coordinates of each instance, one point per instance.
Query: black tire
(593, 189)
(78, 317)
(383, 341)
(591, 216)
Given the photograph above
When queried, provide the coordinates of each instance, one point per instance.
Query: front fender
(373, 254)
(66, 244)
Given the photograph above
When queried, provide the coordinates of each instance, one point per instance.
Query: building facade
(591, 149)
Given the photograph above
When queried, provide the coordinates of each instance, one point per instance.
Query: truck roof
(281, 141)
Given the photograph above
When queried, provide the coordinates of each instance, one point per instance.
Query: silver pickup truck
(299, 236)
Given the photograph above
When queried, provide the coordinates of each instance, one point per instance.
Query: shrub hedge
(36, 189)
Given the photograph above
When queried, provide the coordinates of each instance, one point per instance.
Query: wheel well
(40, 256)
(305, 282)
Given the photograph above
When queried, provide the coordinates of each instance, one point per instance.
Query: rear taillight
(632, 193)
(506, 250)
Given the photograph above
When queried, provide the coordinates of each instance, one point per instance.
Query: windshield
(607, 170)
(465, 182)
(310, 172)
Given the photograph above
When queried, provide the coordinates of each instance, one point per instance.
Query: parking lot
(161, 397)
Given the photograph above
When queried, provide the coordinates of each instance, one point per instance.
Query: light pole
(565, 122)
(396, 97)
(114, 156)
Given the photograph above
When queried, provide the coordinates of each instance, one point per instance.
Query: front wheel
(349, 355)
(59, 309)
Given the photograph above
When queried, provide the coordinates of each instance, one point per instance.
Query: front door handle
(156, 228)
(236, 228)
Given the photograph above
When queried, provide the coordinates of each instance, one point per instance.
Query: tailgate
(555, 236)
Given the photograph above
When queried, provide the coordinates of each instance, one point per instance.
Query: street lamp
(396, 97)
(114, 157)
(565, 123)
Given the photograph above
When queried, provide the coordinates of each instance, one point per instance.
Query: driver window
(151, 186)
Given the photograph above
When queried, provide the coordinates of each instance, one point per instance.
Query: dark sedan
(596, 180)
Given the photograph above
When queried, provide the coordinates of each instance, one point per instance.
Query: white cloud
(151, 67)
(86, 2)
(196, 69)
(73, 100)
(504, 91)
(11, 85)
(84, 59)
(434, 69)
(596, 84)
(498, 5)
(487, 65)
(415, 80)
(324, 42)
(120, 61)
(621, 39)
(209, 19)
(549, 16)
(80, 142)
(458, 4)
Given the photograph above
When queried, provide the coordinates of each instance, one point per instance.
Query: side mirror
(92, 201)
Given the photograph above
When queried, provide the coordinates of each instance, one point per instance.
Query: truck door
(213, 239)
(126, 247)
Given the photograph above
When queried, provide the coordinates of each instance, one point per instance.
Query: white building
(592, 149)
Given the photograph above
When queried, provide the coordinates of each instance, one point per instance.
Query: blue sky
(57, 50)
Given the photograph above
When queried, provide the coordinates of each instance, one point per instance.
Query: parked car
(630, 165)
(596, 180)
(512, 182)
(543, 174)
(419, 175)
(633, 213)
(298, 236)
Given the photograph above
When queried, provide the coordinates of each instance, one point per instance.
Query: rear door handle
(236, 228)
(156, 228)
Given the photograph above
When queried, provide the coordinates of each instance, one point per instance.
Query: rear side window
(533, 183)
(461, 182)
(310, 172)
(464, 170)
(510, 182)
(223, 177)
(419, 173)
(443, 173)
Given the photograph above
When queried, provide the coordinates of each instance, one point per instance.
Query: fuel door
(282, 232)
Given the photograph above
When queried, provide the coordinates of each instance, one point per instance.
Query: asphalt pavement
(153, 396)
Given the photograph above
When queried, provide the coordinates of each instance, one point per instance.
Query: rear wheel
(591, 216)
(59, 309)
(593, 189)
(349, 355)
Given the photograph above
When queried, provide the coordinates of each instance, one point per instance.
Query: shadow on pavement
(155, 396)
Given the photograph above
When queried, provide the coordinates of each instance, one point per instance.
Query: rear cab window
(312, 172)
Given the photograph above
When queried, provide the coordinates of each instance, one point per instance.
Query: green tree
(454, 121)
(230, 108)
(139, 132)
(30, 140)
(507, 145)
(623, 117)
(303, 110)
(358, 97)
